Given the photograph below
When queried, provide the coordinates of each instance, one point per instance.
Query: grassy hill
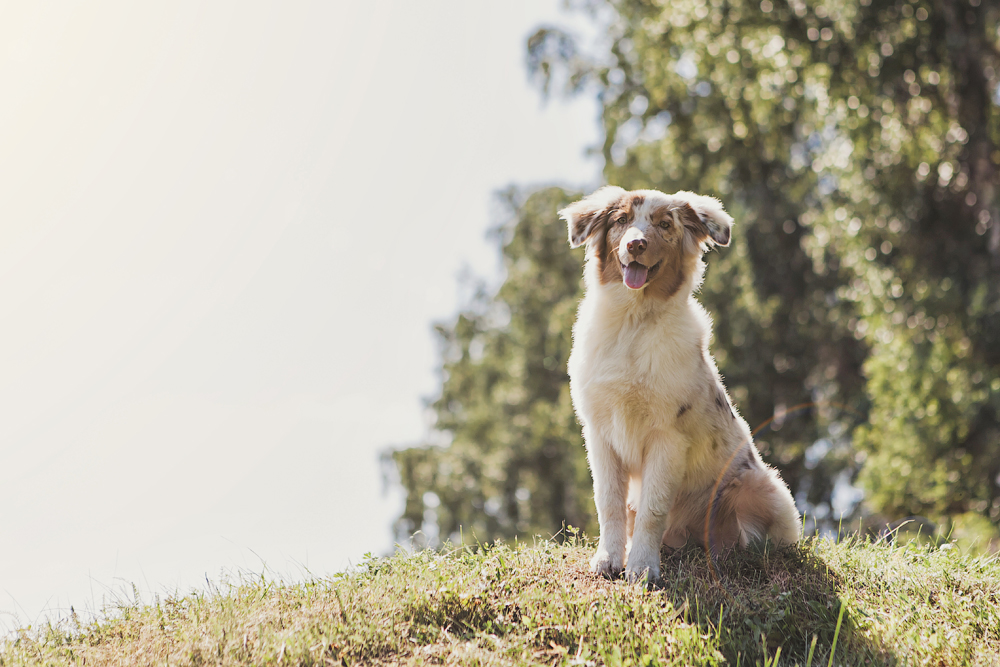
(868, 603)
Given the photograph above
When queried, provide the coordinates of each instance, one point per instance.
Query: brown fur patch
(588, 222)
(702, 229)
(675, 267)
(692, 222)
(667, 281)
(609, 266)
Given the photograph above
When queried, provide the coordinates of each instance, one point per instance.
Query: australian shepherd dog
(671, 458)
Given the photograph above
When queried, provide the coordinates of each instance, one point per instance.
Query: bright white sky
(225, 230)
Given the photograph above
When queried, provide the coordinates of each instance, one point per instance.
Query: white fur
(636, 362)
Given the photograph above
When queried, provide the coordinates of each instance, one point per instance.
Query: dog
(670, 456)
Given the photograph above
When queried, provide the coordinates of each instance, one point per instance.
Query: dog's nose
(636, 246)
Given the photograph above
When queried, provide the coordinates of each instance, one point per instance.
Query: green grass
(865, 603)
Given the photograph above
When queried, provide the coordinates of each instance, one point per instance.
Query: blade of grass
(812, 648)
(836, 633)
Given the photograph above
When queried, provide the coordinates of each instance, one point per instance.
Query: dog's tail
(749, 507)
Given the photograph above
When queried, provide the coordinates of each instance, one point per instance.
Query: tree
(922, 243)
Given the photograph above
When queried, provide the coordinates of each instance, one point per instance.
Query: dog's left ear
(590, 214)
(705, 219)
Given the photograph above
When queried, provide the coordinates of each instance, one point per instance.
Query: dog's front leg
(662, 472)
(610, 487)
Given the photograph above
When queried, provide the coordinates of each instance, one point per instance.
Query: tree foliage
(856, 144)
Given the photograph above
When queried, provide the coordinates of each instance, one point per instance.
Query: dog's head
(645, 239)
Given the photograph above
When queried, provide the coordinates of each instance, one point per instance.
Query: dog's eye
(622, 220)
(665, 223)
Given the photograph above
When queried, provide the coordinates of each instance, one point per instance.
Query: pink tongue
(635, 275)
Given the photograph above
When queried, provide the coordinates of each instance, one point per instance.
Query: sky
(226, 229)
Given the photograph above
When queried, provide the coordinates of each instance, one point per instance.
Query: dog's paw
(643, 571)
(605, 565)
(648, 577)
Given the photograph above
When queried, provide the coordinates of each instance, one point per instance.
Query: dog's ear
(704, 219)
(589, 214)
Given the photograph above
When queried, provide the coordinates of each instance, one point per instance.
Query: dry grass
(517, 604)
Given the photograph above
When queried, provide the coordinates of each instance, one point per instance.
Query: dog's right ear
(590, 213)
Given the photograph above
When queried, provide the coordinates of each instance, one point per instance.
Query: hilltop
(871, 603)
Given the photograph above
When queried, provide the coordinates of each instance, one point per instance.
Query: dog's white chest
(638, 363)
(629, 381)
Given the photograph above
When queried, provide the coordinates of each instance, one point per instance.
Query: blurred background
(227, 229)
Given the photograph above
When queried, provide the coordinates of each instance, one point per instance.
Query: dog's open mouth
(637, 275)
